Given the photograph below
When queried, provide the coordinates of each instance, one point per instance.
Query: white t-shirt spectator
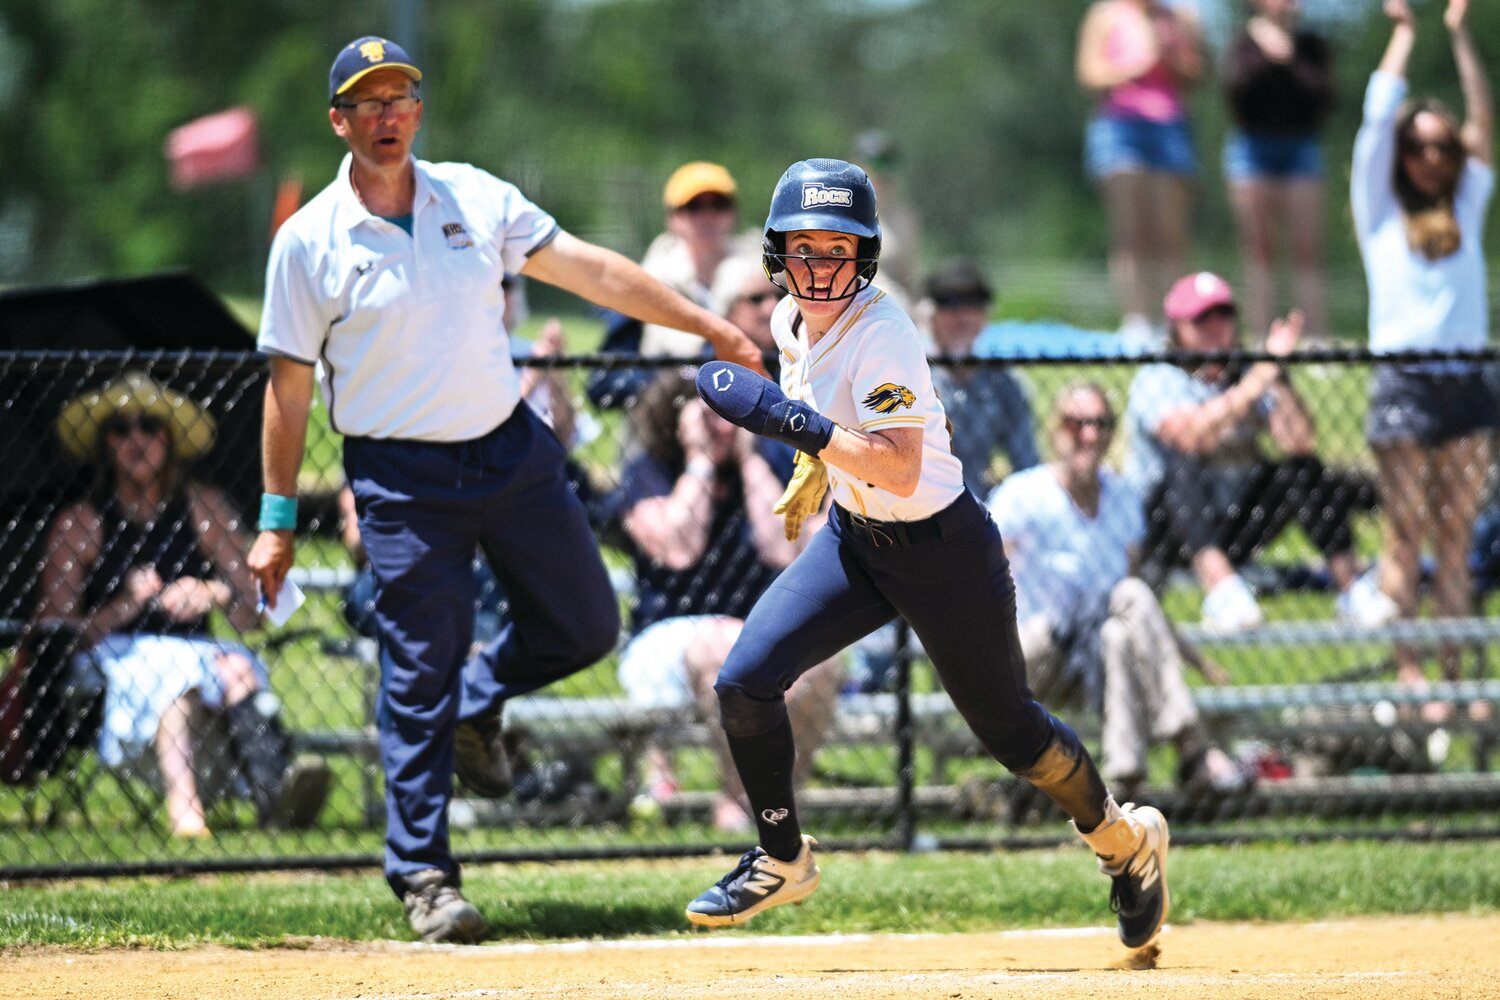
(1415, 303)
(1059, 555)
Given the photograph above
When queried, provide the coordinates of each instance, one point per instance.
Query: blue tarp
(1051, 339)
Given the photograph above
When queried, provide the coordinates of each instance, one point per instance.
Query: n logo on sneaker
(1149, 871)
(763, 883)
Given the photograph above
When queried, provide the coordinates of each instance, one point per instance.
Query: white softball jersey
(870, 372)
(405, 330)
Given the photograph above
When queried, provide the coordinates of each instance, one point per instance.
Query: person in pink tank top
(1140, 56)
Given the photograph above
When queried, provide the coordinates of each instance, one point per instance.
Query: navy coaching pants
(954, 589)
(423, 507)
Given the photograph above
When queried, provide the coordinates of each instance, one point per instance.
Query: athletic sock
(765, 765)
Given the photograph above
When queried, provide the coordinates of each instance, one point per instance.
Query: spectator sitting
(1212, 496)
(697, 505)
(701, 215)
(986, 406)
(138, 567)
(1072, 529)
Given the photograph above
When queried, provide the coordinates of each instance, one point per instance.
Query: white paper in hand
(288, 599)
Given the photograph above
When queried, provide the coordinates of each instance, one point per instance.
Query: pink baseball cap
(1196, 294)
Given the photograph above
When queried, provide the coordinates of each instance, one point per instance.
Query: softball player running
(905, 537)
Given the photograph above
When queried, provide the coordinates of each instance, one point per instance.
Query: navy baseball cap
(362, 57)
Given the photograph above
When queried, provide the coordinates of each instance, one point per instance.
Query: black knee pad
(744, 715)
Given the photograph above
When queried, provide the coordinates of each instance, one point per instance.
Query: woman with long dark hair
(1420, 189)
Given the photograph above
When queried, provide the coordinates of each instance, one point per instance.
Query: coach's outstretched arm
(612, 280)
(283, 440)
(890, 459)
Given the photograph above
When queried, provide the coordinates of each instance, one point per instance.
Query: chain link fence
(150, 720)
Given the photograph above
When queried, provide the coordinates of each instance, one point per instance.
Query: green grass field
(860, 893)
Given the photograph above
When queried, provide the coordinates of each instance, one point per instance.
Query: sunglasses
(121, 425)
(1420, 147)
(1074, 425)
(761, 298)
(963, 300)
(708, 203)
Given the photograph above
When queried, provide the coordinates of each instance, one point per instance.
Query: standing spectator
(697, 504)
(1140, 56)
(1420, 190)
(389, 282)
(1279, 82)
(1073, 529)
(138, 567)
(988, 406)
(702, 211)
(1213, 497)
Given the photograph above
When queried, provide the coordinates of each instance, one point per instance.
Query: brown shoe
(479, 757)
(437, 911)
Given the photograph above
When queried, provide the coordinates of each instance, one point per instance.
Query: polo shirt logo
(458, 237)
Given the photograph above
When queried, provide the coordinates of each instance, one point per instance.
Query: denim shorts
(1250, 156)
(1410, 405)
(1133, 145)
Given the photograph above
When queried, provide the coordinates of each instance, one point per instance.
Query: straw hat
(190, 428)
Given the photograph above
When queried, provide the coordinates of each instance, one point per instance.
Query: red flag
(218, 147)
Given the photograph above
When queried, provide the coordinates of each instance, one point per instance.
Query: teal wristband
(278, 513)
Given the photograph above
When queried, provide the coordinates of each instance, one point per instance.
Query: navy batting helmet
(823, 194)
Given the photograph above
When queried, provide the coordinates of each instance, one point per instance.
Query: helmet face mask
(830, 196)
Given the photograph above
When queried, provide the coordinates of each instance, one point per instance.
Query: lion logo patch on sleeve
(886, 398)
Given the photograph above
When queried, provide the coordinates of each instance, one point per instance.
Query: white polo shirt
(405, 330)
(870, 372)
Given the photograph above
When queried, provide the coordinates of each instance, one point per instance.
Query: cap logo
(1207, 283)
(373, 51)
(815, 195)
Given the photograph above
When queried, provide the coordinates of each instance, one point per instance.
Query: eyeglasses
(1413, 146)
(708, 203)
(1074, 425)
(122, 425)
(963, 300)
(761, 298)
(372, 107)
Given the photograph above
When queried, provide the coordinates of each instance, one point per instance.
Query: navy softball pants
(952, 585)
(423, 507)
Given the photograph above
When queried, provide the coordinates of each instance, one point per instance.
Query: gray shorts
(1426, 407)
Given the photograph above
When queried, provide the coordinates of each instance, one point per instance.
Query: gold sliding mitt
(804, 494)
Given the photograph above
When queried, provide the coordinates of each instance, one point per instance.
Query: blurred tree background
(587, 105)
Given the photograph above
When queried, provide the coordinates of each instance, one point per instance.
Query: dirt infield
(1409, 958)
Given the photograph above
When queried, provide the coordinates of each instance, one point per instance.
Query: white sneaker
(757, 883)
(1365, 604)
(1131, 845)
(1231, 607)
